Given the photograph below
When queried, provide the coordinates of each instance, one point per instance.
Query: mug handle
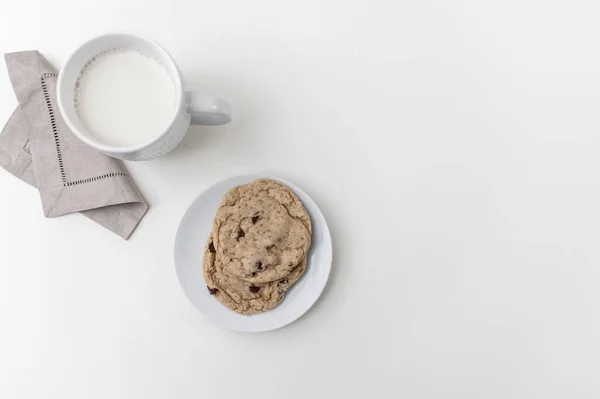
(207, 111)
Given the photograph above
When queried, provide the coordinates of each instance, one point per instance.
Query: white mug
(192, 108)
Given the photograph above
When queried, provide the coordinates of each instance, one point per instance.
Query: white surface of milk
(125, 98)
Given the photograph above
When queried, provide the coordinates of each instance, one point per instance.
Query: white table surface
(453, 146)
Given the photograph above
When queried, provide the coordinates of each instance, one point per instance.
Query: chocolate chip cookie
(242, 296)
(258, 246)
(262, 230)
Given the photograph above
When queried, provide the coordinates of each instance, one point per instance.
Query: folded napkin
(37, 147)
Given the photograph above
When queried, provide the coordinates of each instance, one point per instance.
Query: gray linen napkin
(37, 147)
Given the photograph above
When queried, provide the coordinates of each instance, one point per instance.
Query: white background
(454, 147)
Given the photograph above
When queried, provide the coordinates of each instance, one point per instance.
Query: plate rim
(328, 262)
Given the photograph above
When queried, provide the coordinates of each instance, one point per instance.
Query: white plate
(191, 238)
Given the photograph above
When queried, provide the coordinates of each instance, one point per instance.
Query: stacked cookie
(257, 248)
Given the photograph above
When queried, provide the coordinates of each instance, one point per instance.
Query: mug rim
(88, 138)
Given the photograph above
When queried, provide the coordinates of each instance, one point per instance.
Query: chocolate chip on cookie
(259, 265)
(282, 285)
(212, 291)
(254, 289)
(240, 234)
(255, 219)
(211, 248)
